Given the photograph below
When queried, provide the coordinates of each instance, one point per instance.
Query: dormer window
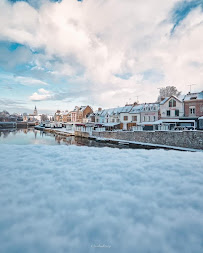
(172, 103)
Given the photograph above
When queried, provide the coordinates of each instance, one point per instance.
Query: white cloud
(29, 81)
(66, 198)
(105, 38)
(20, 80)
(41, 95)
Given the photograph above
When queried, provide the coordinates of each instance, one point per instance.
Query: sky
(58, 54)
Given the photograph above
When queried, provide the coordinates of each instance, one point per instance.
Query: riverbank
(175, 139)
(183, 141)
(13, 125)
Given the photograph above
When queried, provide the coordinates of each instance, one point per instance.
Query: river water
(31, 136)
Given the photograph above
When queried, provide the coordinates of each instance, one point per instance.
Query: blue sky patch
(125, 76)
(152, 75)
(182, 9)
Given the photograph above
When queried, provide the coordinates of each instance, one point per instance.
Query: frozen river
(68, 198)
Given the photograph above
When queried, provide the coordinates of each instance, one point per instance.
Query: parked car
(183, 128)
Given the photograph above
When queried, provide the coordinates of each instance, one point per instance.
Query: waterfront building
(81, 114)
(193, 105)
(149, 112)
(171, 108)
(130, 116)
(58, 116)
(32, 116)
(66, 117)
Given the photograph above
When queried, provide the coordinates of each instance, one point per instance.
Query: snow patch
(68, 198)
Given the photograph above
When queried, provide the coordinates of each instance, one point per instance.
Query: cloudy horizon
(58, 54)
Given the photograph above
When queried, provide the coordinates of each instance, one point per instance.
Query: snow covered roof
(111, 124)
(164, 101)
(150, 106)
(113, 111)
(167, 98)
(126, 108)
(193, 96)
(136, 109)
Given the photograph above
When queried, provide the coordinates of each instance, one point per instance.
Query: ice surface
(76, 199)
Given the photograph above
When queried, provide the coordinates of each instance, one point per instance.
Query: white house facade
(171, 108)
(150, 112)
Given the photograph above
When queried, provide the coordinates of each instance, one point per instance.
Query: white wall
(165, 107)
(130, 120)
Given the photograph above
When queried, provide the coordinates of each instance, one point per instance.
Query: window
(192, 110)
(117, 120)
(168, 113)
(113, 120)
(172, 103)
(125, 118)
(149, 118)
(154, 118)
(97, 120)
(134, 118)
(144, 118)
(176, 112)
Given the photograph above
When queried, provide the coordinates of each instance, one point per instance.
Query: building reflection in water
(5, 134)
(51, 139)
(25, 131)
(35, 132)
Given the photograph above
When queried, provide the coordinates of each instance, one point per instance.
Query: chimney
(162, 99)
(99, 109)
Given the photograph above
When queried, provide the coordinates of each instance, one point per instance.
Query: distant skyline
(58, 54)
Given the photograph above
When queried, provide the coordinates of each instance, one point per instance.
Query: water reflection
(36, 137)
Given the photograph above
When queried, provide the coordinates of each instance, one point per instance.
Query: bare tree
(167, 92)
(44, 117)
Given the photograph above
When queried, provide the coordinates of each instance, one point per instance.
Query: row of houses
(78, 115)
(172, 112)
(127, 116)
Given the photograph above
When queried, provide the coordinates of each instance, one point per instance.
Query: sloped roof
(193, 96)
(113, 111)
(126, 108)
(167, 98)
(137, 109)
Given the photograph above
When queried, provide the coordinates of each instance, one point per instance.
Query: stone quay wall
(82, 134)
(185, 139)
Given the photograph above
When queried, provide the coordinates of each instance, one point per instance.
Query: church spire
(35, 111)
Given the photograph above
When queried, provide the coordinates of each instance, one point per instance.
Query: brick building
(81, 114)
(193, 105)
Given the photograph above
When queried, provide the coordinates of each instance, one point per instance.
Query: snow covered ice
(75, 199)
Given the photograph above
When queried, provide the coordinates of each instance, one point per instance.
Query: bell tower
(35, 111)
